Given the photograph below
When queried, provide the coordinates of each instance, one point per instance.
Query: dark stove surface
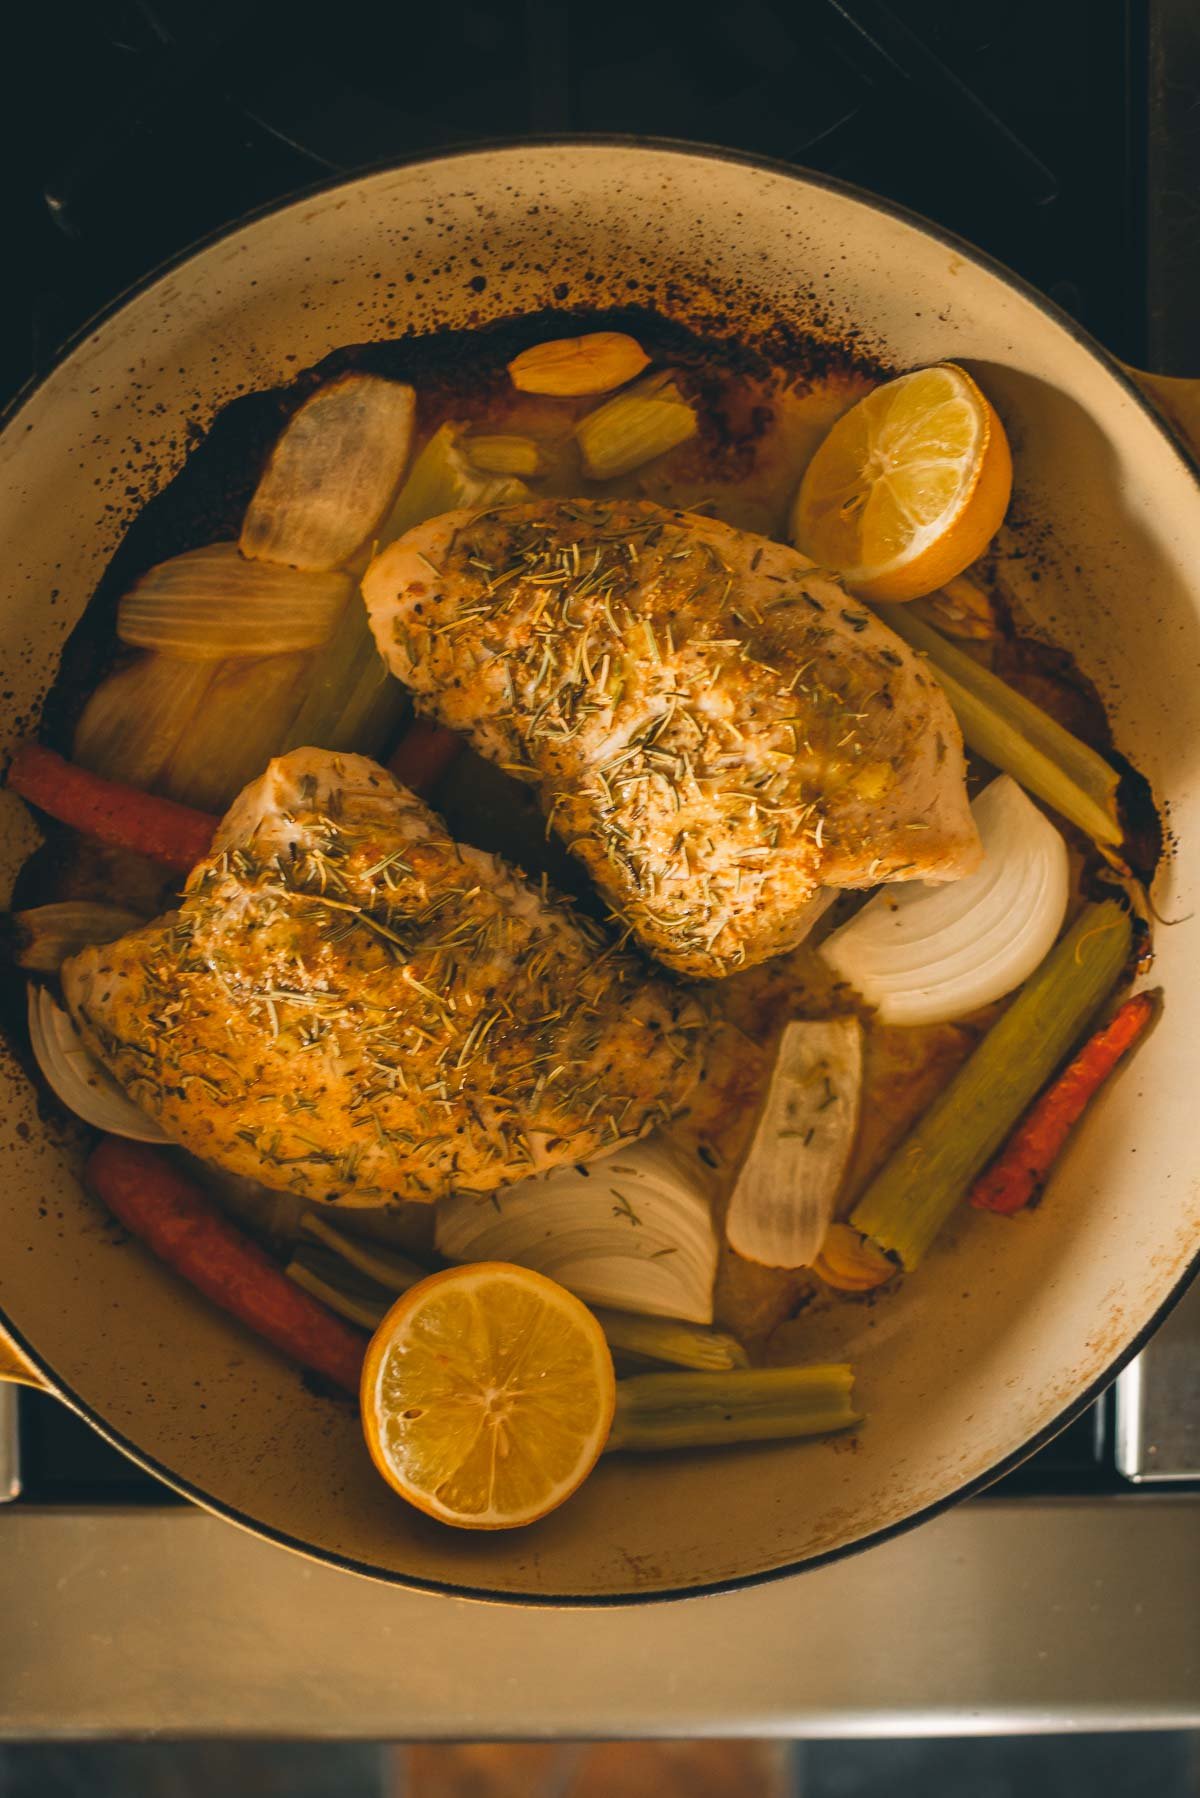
(135, 127)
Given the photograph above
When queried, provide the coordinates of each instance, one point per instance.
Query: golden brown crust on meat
(714, 727)
(350, 1002)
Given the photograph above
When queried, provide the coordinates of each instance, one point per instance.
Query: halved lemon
(487, 1395)
(908, 488)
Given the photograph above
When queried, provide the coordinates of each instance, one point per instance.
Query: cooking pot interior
(1008, 1323)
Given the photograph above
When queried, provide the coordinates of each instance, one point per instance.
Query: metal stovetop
(1068, 1597)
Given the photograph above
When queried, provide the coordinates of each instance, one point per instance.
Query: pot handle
(1177, 399)
(15, 1368)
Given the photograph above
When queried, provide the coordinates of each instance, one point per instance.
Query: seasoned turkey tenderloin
(713, 726)
(348, 1003)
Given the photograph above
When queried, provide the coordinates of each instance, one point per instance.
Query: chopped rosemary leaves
(351, 1001)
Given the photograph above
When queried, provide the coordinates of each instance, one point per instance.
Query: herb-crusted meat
(350, 1003)
(714, 727)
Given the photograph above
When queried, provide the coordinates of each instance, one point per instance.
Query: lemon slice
(908, 488)
(487, 1395)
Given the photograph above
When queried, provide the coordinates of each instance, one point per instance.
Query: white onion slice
(634, 1231)
(212, 603)
(928, 954)
(786, 1189)
(81, 1083)
(332, 475)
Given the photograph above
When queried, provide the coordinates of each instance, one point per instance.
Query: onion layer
(928, 954)
(81, 1083)
(134, 719)
(788, 1184)
(633, 1231)
(47, 934)
(212, 603)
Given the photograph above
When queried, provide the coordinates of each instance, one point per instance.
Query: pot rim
(694, 149)
(1114, 368)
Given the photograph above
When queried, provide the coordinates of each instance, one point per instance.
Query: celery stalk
(667, 1339)
(442, 479)
(504, 455)
(915, 1191)
(352, 702)
(748, 1404)
(374, 708)
(1014, 734)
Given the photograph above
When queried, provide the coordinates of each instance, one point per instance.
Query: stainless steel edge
(10, 1446)
(1173, 157)
(999, 1616)
(1158, 1402)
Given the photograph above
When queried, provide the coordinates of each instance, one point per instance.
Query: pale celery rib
(504, 455)
(929, 1173)
(352, 703)
(748, 1404)
(442, 479)
(1012, 733)
(667, 1339)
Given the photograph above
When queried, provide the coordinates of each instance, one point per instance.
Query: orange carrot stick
(179, 1223)
(1017, 1175)
(121, 816)
(423, 755)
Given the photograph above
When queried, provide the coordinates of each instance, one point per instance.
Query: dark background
(1043, 130)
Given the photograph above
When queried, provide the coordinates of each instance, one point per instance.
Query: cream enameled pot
(1007, 1328)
